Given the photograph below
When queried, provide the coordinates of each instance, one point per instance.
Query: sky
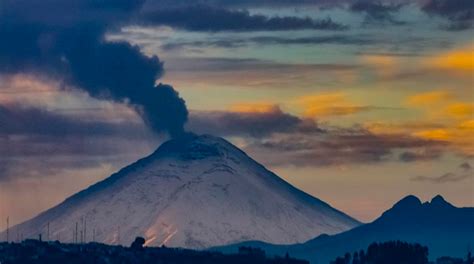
(358, 103)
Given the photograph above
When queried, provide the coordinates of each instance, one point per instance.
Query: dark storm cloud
(212, 18)
(55, 163)
(55, 13)
(377, 12)
(323, 4)
(248, 3)
(66, 40)
(459, 12)
(17, 120)
(253, 124)
(281, 139)
(335, 147)
(39, 143)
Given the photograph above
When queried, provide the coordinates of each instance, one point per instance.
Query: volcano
(193, 192)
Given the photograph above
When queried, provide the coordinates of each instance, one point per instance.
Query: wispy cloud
(213, 19)
(207, 72)
(445, 178)
(333, 104)
(234, 42)
(464, 172)
(377, 12)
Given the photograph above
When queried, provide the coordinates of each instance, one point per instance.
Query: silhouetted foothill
(138, 243)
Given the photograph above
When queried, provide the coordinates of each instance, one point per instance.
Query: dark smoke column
(118, 71)
(69, 44)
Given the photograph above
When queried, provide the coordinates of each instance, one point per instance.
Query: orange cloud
(326, 98)
(457, 60)
(460, 110)
(429, 98)
(330, 104)
(436, 134)
(262, 107)
(454, 115)
(460, 137)
(441, 105)
(469, 124)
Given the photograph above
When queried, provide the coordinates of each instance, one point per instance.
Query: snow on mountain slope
(196, 192)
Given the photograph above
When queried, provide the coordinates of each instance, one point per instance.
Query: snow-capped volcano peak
(194, 147)
(194, 192)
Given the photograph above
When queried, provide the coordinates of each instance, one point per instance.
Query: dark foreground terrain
(35, 251)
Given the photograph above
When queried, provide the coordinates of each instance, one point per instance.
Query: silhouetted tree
(355, 258)
(469, 258)
(362, 259)
(138, 243)
(393, 252)
(338, 260)
(347, 258)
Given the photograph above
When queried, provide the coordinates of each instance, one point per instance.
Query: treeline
(38, 252)
(396, 252)
(393, 252)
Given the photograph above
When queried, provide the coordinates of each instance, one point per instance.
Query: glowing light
(169, 237)
(149, 240)
(254, 108)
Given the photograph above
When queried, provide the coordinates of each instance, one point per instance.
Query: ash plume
(66, 40)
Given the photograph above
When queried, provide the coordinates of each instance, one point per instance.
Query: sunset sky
(358, 103)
